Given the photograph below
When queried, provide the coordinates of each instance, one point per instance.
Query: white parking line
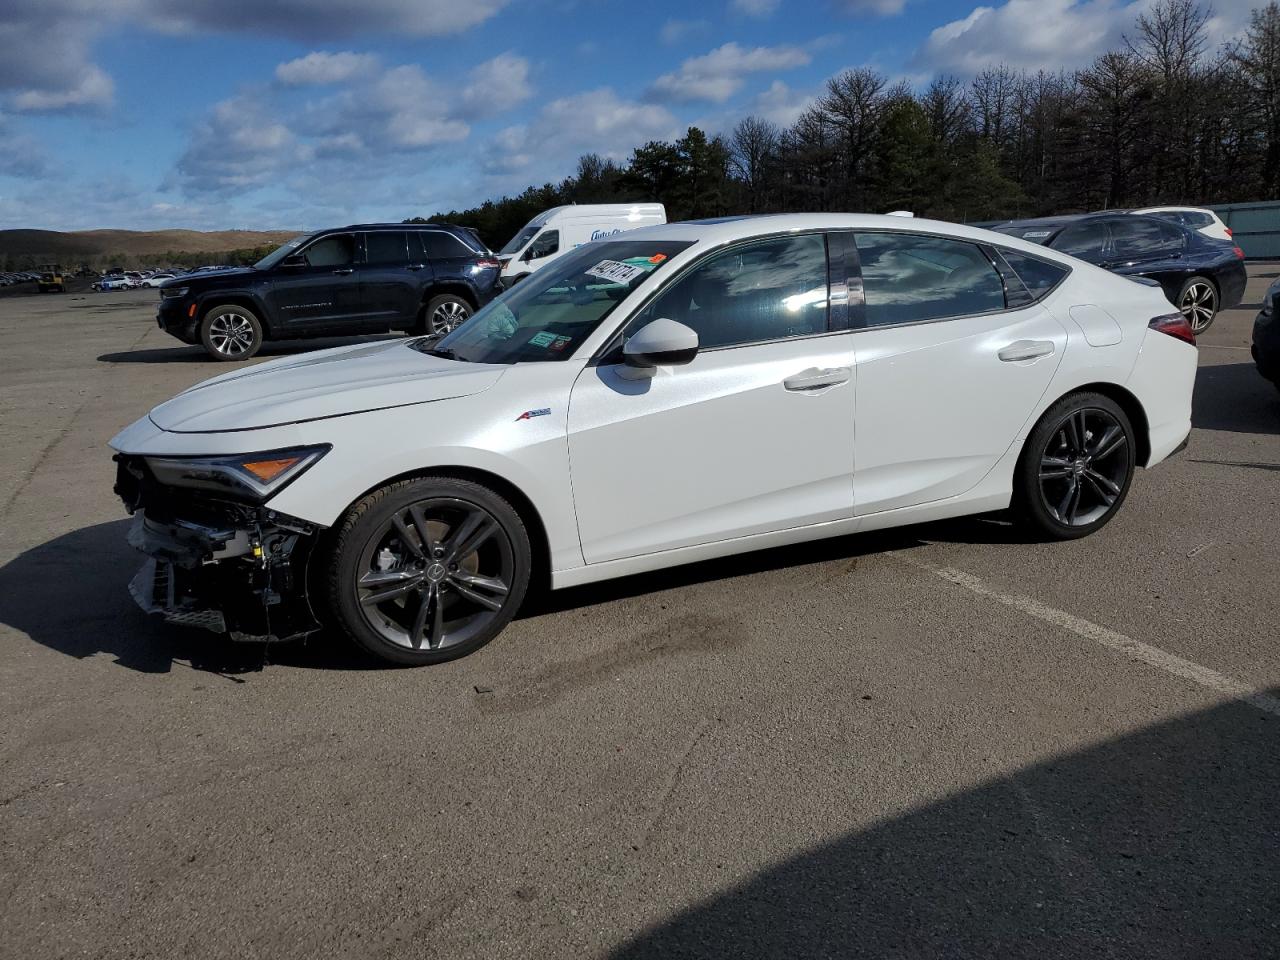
(1134, 649)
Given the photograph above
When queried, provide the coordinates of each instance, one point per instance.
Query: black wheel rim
(1084, 467)
(1199, 303)
(436, 574)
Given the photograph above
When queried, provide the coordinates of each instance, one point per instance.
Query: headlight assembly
(254, 476)
(172, 293)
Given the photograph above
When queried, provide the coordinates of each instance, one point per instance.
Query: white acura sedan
(677, 393)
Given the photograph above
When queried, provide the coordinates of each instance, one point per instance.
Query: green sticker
(543, 339)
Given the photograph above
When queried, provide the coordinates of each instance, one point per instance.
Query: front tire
(428, 570)
(230, 332)
(1076, 467)
(1198, 302)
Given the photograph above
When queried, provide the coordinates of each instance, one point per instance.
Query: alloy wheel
(1199, 304)
(1084, 467)
(436, 574)
(448, 315)
(231, 334)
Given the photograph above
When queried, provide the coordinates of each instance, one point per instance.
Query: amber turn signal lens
(268, 470)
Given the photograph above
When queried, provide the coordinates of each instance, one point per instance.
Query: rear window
(438, 245)
(1038, 276)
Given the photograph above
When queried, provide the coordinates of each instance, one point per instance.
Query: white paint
(1133, 649)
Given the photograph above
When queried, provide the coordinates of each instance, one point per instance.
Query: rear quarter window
(1038, 276)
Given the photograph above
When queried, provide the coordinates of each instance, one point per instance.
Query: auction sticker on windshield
(618, 272)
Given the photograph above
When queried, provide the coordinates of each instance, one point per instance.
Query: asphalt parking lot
(937, 742)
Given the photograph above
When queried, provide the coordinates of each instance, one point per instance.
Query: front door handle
(817, 379)
(343, 270)
(1026, 350)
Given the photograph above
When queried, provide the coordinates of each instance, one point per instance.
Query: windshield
(282, 251)
(516, 243)
(549, 315)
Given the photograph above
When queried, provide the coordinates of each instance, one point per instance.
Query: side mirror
(660, 343)
(294, 261)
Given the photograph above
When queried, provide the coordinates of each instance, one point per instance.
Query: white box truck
(558, 230)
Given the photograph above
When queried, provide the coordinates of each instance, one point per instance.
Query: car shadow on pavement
(103, 619)
(1160, 843)
(272, 348)
(1234, 397)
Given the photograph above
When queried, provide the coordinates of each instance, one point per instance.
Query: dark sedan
(1199, 275)
(1266, 335)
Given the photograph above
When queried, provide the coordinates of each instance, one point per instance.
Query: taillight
(1238, 252)
(488, 262)
(1176, 326)
(1230, 232)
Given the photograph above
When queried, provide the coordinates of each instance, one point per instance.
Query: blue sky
(216, 114)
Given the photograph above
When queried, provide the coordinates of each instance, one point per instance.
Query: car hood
(315, 386)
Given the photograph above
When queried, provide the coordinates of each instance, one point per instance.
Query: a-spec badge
(530, 414)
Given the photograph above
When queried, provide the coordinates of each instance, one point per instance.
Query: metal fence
(1254, 226)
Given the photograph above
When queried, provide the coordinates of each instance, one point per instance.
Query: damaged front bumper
(235, 568)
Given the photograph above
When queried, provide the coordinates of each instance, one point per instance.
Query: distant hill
(20, 248)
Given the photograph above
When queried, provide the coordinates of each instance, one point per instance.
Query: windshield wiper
(446, 353)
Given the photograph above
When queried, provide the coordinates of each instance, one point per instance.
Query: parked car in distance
(1198, 274)
(115, 282)
(678, 393)
(1266, 335)
(1193, 218)
(364, 278)
(553, 233)
(157, 278)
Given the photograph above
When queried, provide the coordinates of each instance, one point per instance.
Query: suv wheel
(445, 312)
(230, 332)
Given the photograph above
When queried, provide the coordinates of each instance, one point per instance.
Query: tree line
(1164, 119)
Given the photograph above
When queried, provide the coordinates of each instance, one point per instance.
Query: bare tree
(753, 150)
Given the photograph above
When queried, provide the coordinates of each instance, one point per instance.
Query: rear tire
(1076, 467)
(1198, 302)
(230, 332)
(445, 313)
(428, 570)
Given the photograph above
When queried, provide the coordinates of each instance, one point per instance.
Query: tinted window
(910, 278)
(1139, 238)
(438, 245)
(1084, 240)
(385, 246)
(766, 290)
(333, 251)
(548, 242)
(1039, 276)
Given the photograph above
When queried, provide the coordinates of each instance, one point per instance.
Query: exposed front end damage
(232, 567)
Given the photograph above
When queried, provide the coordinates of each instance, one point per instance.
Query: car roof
(728, 229)
(393, 226)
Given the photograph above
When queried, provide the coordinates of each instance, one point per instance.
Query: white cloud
(883, 8)
(597, 121)
(781, 104)
(319, 68)
(238, 147)
(718, 75)
(675, 31)
(497, 85)
(755, 8)
(21, 155)
(46, 46)
(1049, 34)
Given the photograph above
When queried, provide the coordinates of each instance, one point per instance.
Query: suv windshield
(282, 251)
(516, 243)
(549, 315)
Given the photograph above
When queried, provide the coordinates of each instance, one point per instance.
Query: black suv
(368, 278)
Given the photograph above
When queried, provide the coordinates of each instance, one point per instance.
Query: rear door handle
(816, 379)
(1026, 350)
(343, 270)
